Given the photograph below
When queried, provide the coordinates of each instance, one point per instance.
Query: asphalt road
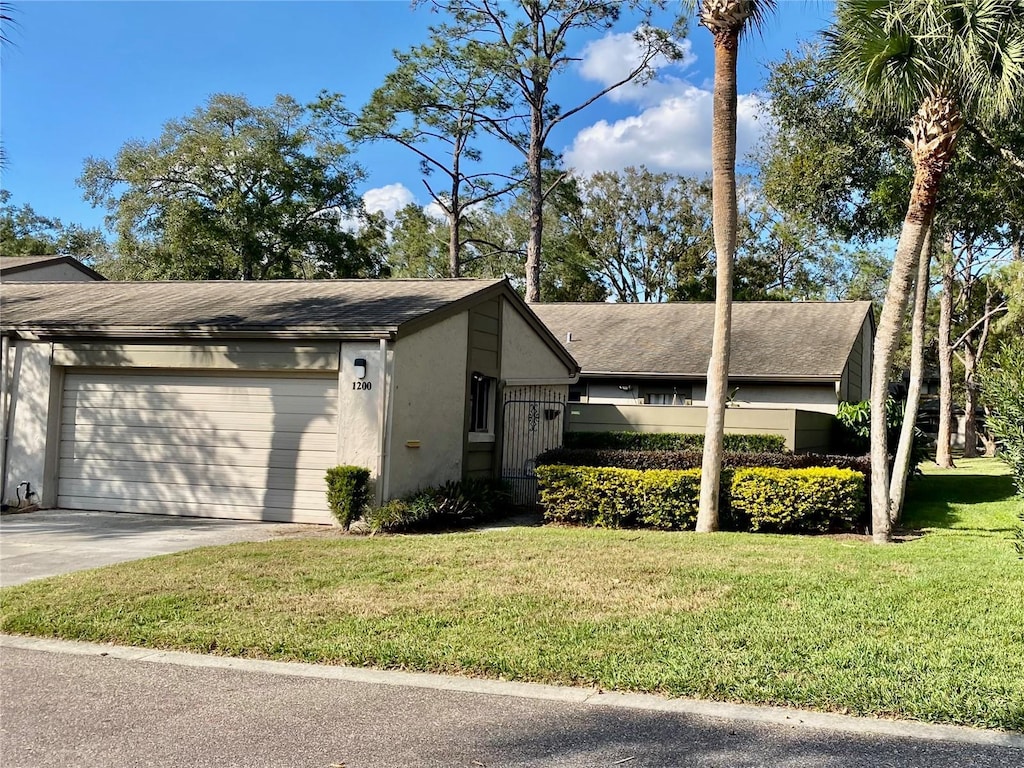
(65, 709)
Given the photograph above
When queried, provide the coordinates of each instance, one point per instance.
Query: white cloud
(435, 211)
(671, 130)
(673, 135)
(609, 59)
(389, 199)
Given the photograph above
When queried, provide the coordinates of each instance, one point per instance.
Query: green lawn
(931, 629)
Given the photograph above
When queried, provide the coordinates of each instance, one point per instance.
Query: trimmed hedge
(755, 499)
(608, 497)
(348, 490)
(816, 500)
(588, 457)
(671, 441)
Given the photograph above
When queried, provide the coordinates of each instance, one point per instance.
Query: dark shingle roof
(322, 306)
(805, 340)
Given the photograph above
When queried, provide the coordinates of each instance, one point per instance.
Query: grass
(931, 629)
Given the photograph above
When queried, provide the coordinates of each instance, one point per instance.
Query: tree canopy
(236, 191)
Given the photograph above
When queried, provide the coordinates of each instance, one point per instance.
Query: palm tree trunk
(934, 129)
(943, 454)
(724, 223)
(901, 466)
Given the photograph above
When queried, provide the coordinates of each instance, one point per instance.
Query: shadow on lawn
(932, 499)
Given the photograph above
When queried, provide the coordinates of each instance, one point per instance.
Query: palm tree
(727, 20)
(936, 63)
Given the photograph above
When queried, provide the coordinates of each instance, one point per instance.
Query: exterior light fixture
(360, 367)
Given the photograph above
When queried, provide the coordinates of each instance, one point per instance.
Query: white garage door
(242, 447)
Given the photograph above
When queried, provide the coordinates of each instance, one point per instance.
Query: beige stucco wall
(359, 407)
(31, 387)
(524, 354)
(49, 273)
(820, 398)
(428, 407)
(235, 355)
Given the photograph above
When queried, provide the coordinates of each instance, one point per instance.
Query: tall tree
(939, 61)
(726, 20)
(235, 191)
(637, 226)
(431, 104)
(526, 44)
(23, 232)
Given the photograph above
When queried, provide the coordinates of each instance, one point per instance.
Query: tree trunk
(534, 168)
(927, 174)
(901, 466)
(724, 223)
(454, 231)
(943, 454)
(970, 402)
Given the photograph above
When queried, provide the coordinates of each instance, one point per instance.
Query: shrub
(347, 493)
(588, 457)
(814, 500)
(1002, 386)
(609, 497)
(451, 505)
(851, 431)
(671, 441)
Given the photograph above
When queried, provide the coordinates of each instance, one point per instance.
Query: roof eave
(662, 375)
(138, 332)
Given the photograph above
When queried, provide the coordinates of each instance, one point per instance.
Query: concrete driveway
(53, 541)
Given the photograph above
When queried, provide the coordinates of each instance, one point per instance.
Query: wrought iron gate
(533, 421)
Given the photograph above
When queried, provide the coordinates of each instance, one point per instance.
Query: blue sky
(81, 78)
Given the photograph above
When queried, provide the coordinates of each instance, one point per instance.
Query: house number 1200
(362, 385)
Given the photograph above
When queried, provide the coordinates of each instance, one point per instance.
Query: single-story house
(808, 356)
(46, 269)
(231, 399)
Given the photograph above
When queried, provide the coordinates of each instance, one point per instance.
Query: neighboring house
(46, 269)
(231, 399)
(793, 355)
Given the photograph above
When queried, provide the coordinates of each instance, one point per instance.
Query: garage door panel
(195, 494)
(233, 386)
(108, 454)
(133, 401)
(179, 418)
(234, 512)
(178, 444)
(279, 478)
(187, 439)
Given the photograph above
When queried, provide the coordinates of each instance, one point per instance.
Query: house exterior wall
(855, 384)
(33, 394)
(820, 398)
(235, 355)
(428, 408)
(361, 407)
(524, 354)
(485, 344)
(49, 273)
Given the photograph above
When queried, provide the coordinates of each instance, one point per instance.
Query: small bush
(608, 497)
(348, 490)
(798, 500)
(451, 505)
(851, 431)
(671, 441)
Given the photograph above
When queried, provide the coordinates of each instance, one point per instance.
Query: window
(668, 395)
(576, 392)
(481, 399)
